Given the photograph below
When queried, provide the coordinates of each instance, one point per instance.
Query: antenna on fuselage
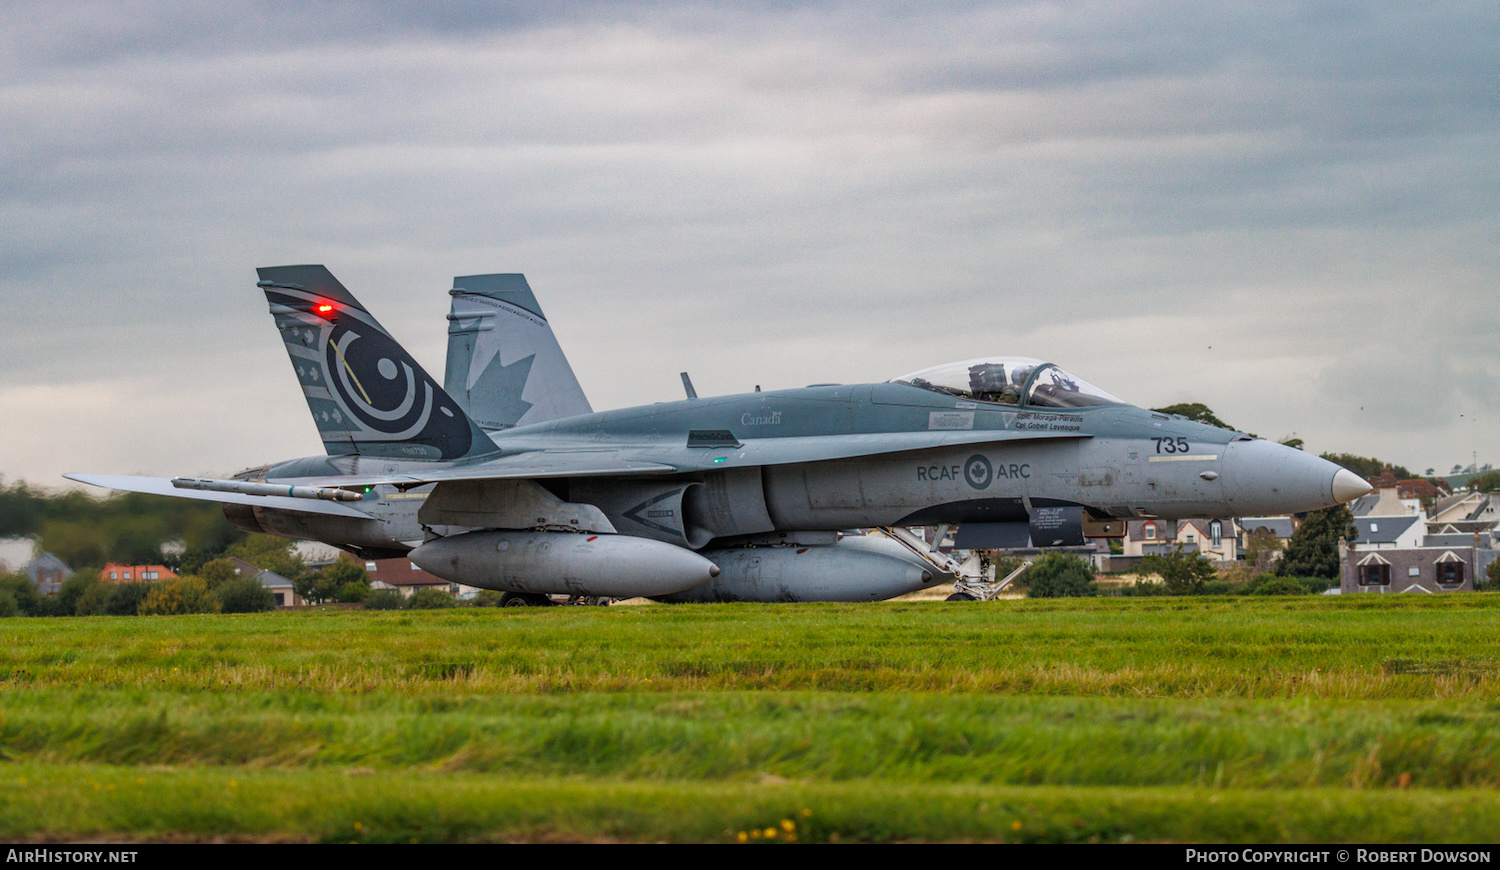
(687, 384)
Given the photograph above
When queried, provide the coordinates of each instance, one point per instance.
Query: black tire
(524, 599)
(960, 596)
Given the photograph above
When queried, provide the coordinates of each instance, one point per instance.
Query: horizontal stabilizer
(164, 486)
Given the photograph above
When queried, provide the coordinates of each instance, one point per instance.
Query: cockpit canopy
(1005, 380)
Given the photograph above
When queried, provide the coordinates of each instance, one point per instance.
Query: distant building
(403, 575)
(280, 588)
(1412, 569)
(48, 573)
(1215, 538)
(114, 572)
(1390, 532)
(1385, 502)
(1467, 511)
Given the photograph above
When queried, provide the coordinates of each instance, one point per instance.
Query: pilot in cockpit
(987, 383)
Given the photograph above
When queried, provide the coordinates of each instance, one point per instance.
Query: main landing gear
(973, 578)
(536, 599)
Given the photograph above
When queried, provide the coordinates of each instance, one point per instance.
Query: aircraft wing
(605, 460)
(163, 486)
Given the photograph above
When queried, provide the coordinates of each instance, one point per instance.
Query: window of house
(127, 575)
(369, 566)
(1450, 573)
(1216, 531)
(1150, 531)
(1375, 574)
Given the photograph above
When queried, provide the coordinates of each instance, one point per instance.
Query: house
(1390, 532)
(1412, 569)
(1214, 537)
(1144, 537)
(114, 572)
(1385, 502)
(1280, 529)
(280, 588)
(48, 573)
(1467, 511)
(404, 576)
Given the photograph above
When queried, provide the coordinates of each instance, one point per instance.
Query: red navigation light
(323, 308)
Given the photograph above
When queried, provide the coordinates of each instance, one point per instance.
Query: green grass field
(1363, 718)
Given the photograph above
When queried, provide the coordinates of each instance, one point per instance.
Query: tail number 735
(1171, 445)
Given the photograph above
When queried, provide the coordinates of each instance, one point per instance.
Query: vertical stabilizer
(505, 367)
(366, 393)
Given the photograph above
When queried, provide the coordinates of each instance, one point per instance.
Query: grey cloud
(805, 193)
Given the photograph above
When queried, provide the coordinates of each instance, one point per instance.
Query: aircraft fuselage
(1113, 460)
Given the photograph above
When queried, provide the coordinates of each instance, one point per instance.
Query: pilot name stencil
(1030, 421)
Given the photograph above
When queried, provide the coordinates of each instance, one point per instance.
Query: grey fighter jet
(505, 478)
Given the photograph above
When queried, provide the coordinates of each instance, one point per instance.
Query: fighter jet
(506, 479)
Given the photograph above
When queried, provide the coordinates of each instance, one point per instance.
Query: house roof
(1481, 507)
(1382, 530)
(1281, 527)
(46, 562)
(266, 578)
(1447, 503)
(1135, 530)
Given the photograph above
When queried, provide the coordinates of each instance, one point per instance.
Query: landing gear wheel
(960, 596)
(524, 599)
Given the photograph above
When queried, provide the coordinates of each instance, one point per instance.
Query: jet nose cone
(1348, 486)
(1262, 478)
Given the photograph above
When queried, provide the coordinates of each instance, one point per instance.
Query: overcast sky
(1287, 211)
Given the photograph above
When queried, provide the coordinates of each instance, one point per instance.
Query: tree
(1313, 550)
(125, 598)
(1060, 575)
(1487, 482)
(1182, 572)
(353, 593)
(1194, 411)
(20, 590)
(183, 595)
(1280, 586)
(329, 581)
(245, 595)
(270, 553)
(429, 599)
(1368, 467)
(73, 590)
(93, 601)
(217, 572)
(383, 599)
(1260, 547)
